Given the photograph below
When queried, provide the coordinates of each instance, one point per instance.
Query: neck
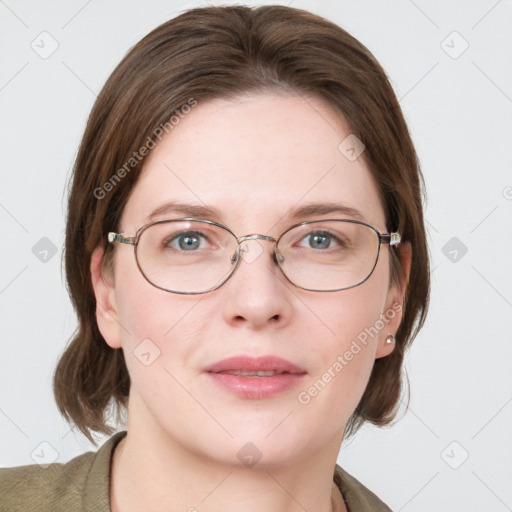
(153, 472)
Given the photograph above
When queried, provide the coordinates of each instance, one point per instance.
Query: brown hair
(223, 52)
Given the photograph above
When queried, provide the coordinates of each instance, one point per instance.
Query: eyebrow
(189, 210)
(325, 209)
(209, 213)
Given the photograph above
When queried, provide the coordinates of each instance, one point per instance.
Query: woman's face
(254, 162)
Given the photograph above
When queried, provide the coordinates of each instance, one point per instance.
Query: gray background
(459, 108)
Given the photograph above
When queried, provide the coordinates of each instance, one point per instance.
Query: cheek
(146, 311)
(345, 316)
(152, 322)
(350, 322)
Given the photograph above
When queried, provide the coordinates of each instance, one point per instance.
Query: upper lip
(254, 364)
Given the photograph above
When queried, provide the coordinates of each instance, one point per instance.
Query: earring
(389, 339)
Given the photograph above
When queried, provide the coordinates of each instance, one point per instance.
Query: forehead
(254, 159)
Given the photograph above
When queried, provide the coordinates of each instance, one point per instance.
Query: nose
(257, 294)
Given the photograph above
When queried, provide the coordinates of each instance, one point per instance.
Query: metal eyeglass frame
(393, 239)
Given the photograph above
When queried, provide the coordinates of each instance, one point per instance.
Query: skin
(252, 159)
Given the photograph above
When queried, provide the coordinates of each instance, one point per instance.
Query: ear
(106, 309)
(393, 311)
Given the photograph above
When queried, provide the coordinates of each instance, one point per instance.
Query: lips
(255, 377)
(254, 366)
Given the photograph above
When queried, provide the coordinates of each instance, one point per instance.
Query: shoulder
(357, 497)
(41, 488)
(75, 485)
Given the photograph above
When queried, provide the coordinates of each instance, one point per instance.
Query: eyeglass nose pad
(236, 255)
(278, 257)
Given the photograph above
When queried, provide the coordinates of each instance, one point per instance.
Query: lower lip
(257, 387)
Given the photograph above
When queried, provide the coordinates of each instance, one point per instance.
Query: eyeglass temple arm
(391, 238)
(120, 238)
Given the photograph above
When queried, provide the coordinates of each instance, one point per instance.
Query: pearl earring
(390, 339)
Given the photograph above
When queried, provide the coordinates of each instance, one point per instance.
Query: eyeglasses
(191, 256)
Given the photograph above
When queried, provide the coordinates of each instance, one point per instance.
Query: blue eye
(186, 240)
(319, 240)
(325, 240)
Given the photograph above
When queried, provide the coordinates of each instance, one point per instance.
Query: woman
(246, 253)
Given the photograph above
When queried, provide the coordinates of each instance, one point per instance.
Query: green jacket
(82, 484)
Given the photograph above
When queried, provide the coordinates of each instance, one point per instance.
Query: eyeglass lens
(194, 256)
